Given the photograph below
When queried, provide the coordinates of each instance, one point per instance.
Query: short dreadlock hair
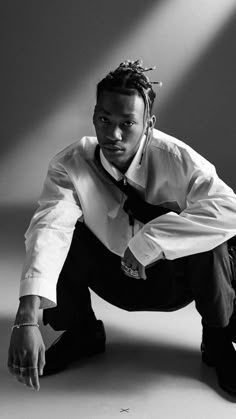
(129, 78)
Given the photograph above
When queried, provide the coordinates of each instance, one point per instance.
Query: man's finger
(34, 378)
(14, 368)
(28, 375)
(25, 377)
(142, 272)
(20, 377)
(41, 362)
(13, 364)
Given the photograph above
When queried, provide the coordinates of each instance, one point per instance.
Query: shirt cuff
(145, 251)
(41, 287)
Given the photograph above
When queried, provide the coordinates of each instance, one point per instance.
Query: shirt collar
(135, 164)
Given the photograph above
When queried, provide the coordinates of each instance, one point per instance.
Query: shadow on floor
(129, 364)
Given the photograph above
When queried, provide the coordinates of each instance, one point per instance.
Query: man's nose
(114, 134)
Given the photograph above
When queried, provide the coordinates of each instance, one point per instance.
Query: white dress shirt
(165, 172)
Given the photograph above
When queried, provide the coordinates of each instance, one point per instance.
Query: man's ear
(152, 122)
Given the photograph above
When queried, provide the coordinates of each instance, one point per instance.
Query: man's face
(119, 124)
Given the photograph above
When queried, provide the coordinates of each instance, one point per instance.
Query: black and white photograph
(118, 209)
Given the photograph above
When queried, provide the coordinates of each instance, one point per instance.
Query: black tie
(134, 205)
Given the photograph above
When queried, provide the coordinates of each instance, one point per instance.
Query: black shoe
(218, 352)
(231, 328)
(72, 346)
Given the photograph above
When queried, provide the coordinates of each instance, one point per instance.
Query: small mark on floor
(124, 410)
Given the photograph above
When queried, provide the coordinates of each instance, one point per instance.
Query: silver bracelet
(18, 326)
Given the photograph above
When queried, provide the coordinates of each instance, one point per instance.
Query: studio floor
(151, 369)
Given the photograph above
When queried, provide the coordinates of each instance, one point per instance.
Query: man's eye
(128, 123)
(103, 119)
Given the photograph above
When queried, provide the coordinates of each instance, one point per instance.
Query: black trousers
(207, 278)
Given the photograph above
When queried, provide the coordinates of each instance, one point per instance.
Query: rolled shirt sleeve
(49, 236)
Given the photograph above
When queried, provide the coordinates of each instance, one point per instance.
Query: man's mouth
(112, 147)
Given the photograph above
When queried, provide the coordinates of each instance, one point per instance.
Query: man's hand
(131, 266)
(26, 355)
